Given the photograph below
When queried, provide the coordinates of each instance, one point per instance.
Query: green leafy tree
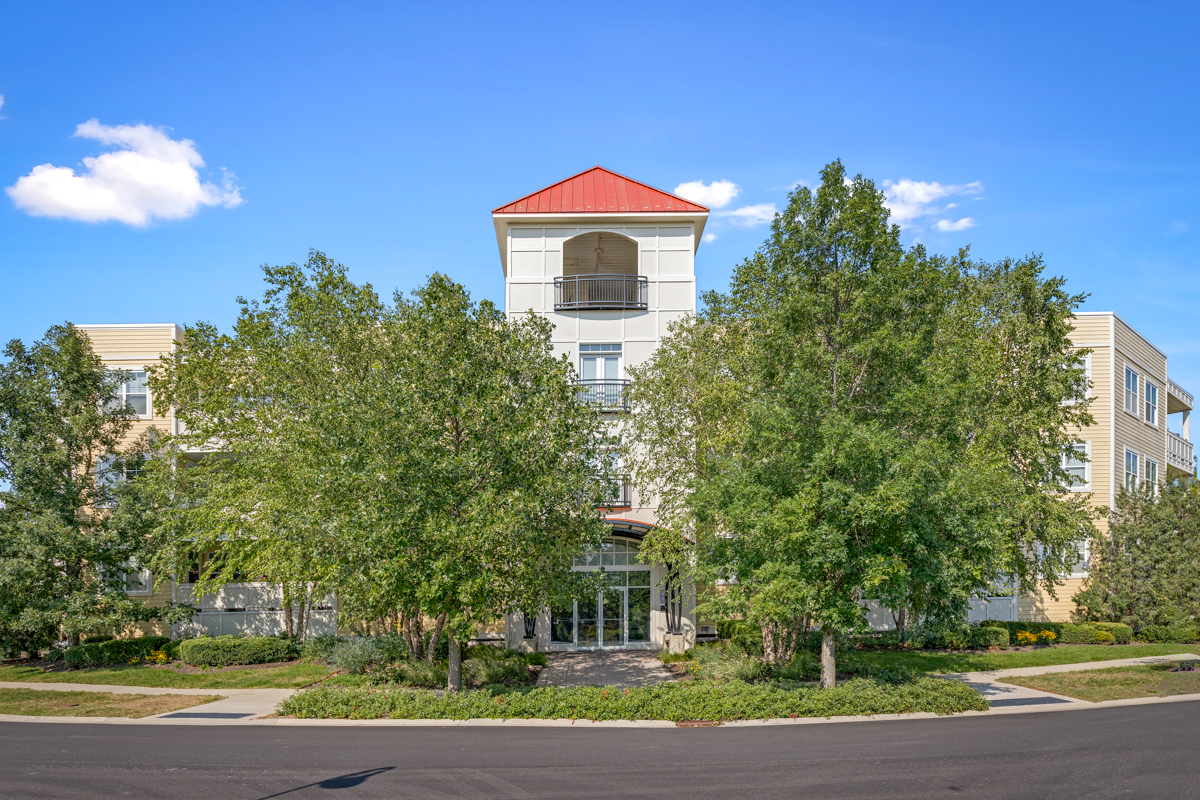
(431, 461)
(486, 443)
(882, 424)
(266, 482)
(1146, 571)
(70, 526)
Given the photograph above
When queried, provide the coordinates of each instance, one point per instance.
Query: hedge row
(113, 651)
(1179, 633)
(225, 651)
(666, 701)
(1069, 632)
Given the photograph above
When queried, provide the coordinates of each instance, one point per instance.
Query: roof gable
(599, 191)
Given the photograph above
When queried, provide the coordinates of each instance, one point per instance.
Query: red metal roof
(598, 191)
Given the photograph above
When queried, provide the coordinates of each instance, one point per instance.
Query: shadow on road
(340, 782)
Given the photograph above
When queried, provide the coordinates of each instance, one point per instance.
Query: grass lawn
(285, 677)
(42, 703)
(928, 662)
(1115, 683)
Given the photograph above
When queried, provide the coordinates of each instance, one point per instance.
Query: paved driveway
(618, 668)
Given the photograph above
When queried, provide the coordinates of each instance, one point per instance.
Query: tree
(428, 461)
(885, 423)
(267, 481)
(1146, 571)
(485, 438)
(70, 527)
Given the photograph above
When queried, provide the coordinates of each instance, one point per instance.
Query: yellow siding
(1040, 607)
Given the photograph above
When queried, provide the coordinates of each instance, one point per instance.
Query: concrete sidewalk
(1007, 697)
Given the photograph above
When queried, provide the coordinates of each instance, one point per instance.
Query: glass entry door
(613, 606)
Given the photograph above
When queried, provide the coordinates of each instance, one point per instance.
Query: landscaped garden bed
(699, 700)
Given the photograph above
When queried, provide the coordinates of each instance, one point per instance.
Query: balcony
(1177, 398)
(608, 394)
(1179, 453)
(622, 495)
(601, 293)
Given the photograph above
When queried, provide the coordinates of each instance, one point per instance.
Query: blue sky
(384, 135)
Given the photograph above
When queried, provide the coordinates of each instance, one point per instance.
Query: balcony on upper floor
(1180, 454)
(601, 293)
(1178, 399)
(606, 393)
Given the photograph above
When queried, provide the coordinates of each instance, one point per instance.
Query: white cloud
(717, 194)
(1178, 227)
(750, 216)
(910, 200)
(152, 176)
(709, 237)
(946, 225)
(1, 101)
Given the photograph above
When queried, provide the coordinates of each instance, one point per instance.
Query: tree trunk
(431, 651)
(768, 637)
(900, 622)
(454, 675)
(828, 658)
(73, 640)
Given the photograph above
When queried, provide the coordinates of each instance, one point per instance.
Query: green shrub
(97, 637)
(226, 651)
(485, 671)
(674, 701)
(982, 637)
(1104, 637)
(745, 636)
(412, 673)
(1177, 633)
(1119, 630)
(535, 659)
(112, 651)
(319, 648)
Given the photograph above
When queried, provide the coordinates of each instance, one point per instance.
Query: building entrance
(617, 615)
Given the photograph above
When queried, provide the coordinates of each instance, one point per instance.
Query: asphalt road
(1149, 751)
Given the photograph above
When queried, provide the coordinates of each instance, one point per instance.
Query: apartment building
(1141, 434)
(610, 262)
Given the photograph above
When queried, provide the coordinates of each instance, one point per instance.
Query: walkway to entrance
(618, 668)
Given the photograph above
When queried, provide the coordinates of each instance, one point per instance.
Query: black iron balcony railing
(620, 495)
(601, 292)
(608, 394)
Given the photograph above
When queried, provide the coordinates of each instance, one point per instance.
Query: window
(1131, 391)
(1151, 404)
(1131, 471)
(1086, 364)
(137, 581)
(1075, 462)
(599, 362)
(1080, 567)
(1152, 475)
(133, 393)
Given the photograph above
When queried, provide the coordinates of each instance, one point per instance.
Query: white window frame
(1150, 415)
(1132, 396)
(600, 355)
(122, 393)
(1086, 486)
(1151, 479)
(1136, 475)
(147, 580)
(1085, 548)
(1087, 375)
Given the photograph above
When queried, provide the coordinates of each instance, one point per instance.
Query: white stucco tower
(611, 262)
